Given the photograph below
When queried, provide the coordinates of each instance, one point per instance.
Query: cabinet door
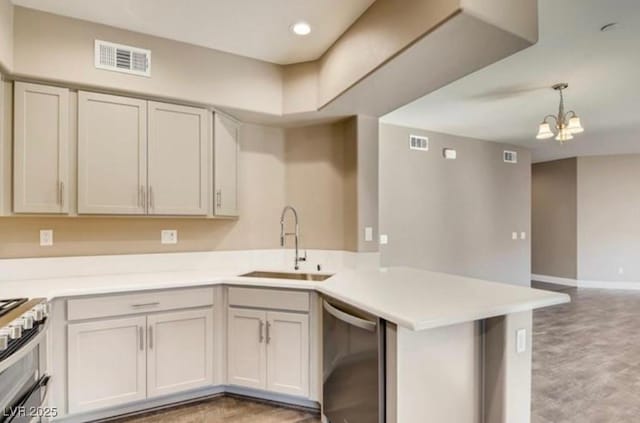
(106, 363)
(41, 142)
(288, 353)
(225, 159)
(179, 351)
(112, 154)
(178, 151)
(246, 353)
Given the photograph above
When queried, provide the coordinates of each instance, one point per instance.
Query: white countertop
(414, 299)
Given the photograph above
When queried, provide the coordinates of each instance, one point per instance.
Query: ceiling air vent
(417, 142)
(121, 58)
(510, 156)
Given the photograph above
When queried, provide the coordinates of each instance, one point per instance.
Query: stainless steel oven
(353, 365)
(23, 384)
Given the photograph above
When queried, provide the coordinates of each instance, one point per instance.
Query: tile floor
(586, 358)
(224, 410)
(586, 369)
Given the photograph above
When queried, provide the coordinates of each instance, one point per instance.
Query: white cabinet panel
(180, 351)
(246, 351)
(112, 154)
(41, 143)
(225, 158)
(288, 353)
(106, 363)
(178, 156)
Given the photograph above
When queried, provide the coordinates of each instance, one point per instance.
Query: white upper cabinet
(178, 154)
(180, 351)
(112, 154)
(225, 159)
(41, 145)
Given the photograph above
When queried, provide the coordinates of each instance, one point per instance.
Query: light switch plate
(523, 235)
(521, 341)
(169, 236)
(514, 235)
(46, 237)
(368, 233)
(384, 239)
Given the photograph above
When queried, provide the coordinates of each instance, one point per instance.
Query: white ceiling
(506, 101)
(252, 28)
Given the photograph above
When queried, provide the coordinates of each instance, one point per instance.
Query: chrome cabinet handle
(61, 193)
(268, 332)
(144, 197)
(141, 336)
(151, 201)
(150, 336)
(219, 198)
(260, 335)
(153, 304)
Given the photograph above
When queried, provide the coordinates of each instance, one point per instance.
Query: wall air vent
(121, 58)
(510, 156)
(417, 142)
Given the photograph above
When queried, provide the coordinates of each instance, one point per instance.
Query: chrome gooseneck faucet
(295, 234)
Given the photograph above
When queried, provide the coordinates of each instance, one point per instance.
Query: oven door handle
(349, 319)
(43, 382)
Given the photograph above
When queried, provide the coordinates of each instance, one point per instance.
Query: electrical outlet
(521, 341)
(368, 233)
(514, 235)
(169, 236)
(46, 237)
(523, 235)
(384, 239)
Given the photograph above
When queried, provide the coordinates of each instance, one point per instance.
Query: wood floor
(224, 409)
(586, 358)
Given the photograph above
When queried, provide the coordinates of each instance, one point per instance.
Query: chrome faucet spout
(295, 234)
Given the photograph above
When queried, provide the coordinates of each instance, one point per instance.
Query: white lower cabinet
(246, 357)
(107, 363)
(268, 350)
(288, 353)
(117, 361)
(179, 351)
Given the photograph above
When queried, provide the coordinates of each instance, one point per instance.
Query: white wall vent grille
(510, 156)
(122, 58)
(417, 142)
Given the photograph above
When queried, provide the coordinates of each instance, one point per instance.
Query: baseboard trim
(589, 284)
(609, 285)
(554, 279)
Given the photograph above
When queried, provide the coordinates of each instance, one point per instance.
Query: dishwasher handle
(348, 318)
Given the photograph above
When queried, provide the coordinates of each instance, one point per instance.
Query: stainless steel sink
(315, 277)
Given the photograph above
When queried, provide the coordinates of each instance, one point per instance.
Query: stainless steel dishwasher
(353, 365)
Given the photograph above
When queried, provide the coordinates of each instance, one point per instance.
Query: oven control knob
(15, 329)
(39, 312)
(4, 339)
(27, 321)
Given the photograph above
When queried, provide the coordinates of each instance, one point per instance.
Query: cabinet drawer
(269, 298)
(144, 302)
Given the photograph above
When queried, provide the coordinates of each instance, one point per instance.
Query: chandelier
(565, 124)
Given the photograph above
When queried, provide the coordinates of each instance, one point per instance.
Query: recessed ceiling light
(301, 28)
(609, 26)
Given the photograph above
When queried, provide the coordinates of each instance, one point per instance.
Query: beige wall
(6, 35)
(317, 184)
(304, 167)
(553, 217)
(609, 218)
(62, 49)
(454, 216)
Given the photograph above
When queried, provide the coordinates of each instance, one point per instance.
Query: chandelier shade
(566, 125)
